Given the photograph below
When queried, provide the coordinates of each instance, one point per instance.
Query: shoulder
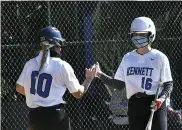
(57, 60)
(160, 55)
(67, 68)
(66, 65)
(129, 54)
(63, 64)
(30, 62)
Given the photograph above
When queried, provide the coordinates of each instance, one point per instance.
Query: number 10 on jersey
(146, 83)
(44, 76)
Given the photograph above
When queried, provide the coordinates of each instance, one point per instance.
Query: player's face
(58, 49)
(140, 39)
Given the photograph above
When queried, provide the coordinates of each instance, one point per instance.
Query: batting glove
(98, 70)
(157, 104)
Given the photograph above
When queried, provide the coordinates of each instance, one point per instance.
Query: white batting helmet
(143, 24)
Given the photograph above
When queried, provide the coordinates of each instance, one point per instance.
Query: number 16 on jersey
(146, 83)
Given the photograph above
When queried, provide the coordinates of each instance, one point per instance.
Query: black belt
(48, 108)
(142, 95)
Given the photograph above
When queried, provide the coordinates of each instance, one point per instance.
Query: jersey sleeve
(165, 71)
(22, 76)
(120, 72)
(70, 79)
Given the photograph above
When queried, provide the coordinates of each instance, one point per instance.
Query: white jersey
(142, 73)
(48, 88)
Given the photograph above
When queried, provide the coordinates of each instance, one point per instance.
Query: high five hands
(94, 71)
(90, 73)
(98, 70)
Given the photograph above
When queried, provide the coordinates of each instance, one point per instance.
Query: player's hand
(98, 70)
(157, 104)
(90, 73)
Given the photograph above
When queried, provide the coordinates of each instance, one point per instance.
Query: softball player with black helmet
(141, 70)
(44, 81)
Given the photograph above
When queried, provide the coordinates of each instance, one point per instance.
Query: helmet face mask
(142, 31)
(59, 42)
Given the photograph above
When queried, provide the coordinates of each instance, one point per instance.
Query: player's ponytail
(44, 57)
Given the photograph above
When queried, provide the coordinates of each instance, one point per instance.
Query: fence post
(49, 12)
(87, 36)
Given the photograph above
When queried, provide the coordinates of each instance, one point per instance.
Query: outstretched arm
(108, 80)
(82, 89)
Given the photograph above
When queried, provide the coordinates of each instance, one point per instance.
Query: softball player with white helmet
(140, 71)
(44, 81)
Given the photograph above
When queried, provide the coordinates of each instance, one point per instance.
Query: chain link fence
(94, 31)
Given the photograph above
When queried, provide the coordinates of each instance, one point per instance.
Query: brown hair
(44, 57)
